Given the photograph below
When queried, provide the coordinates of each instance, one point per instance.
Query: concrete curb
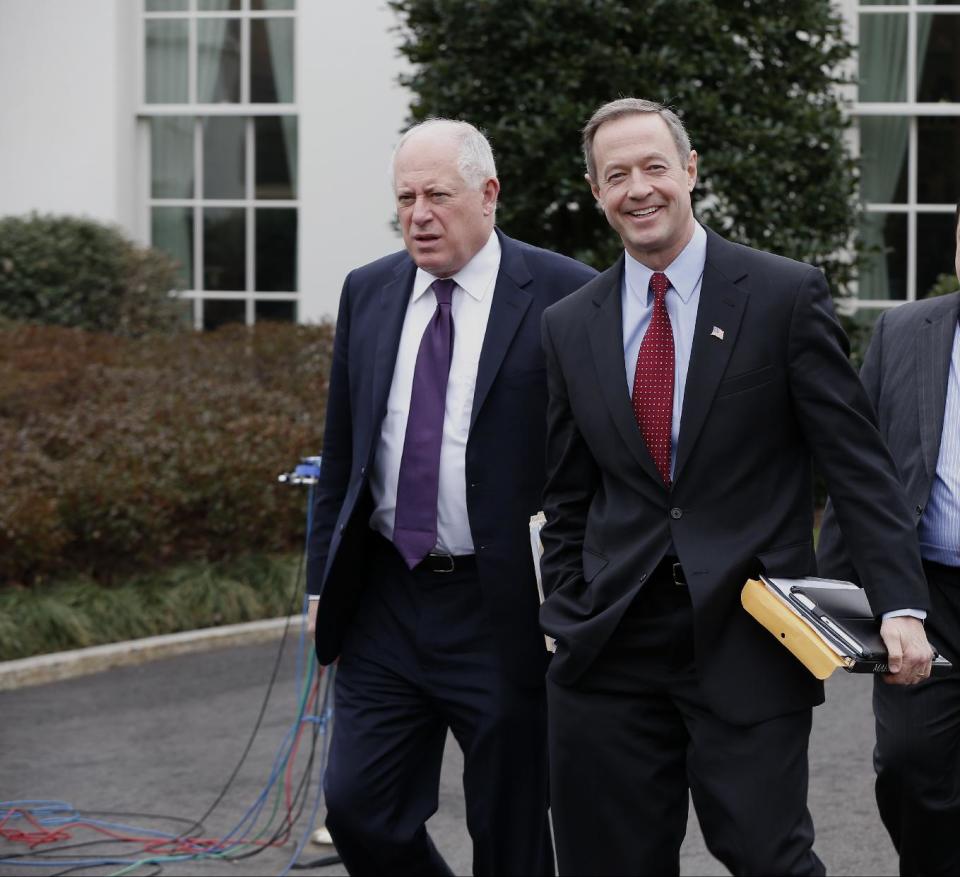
(58, 666)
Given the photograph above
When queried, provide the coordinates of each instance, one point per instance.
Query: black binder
(842, 615)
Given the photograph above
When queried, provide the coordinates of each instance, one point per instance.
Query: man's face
(644, 187)
(444, 223)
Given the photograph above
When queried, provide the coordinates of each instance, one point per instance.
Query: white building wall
(67, 108)
(351, 113)
(70, 84)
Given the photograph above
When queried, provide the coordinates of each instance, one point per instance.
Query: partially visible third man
(912, 375)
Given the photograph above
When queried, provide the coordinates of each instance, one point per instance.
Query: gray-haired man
(419, 555)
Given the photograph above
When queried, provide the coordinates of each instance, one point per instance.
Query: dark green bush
(66, 271)
(120, 455)
(756, 84)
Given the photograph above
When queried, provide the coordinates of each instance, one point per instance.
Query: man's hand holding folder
(908, 652)
(828, 624)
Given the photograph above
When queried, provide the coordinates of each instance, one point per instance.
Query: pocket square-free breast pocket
(750, 380)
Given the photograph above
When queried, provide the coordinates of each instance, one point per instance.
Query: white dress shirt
(470, 307)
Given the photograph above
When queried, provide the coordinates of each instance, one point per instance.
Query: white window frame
(912, 110)
(197, 111)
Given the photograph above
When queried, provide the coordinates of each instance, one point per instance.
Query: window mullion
(250, 228)
(912, 215)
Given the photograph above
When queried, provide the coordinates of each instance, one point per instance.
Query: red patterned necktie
(653, 380)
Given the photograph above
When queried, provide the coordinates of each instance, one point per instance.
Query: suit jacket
(504, 455)
(905, 373)
(775, 392)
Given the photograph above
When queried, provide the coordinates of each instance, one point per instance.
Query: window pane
(276, 152)
(883, 57)
(938, 61)
(278, 311)
(166, 73)
(271, 60)
(276, 250)
(224, 156)
(217, 5)
(171, 230)
(224, 249)
(936, 249)
(217, 313)
(218, 60)
(171, 157)
(938, 147)
(278, 4)
(166, 6)
(883, 159)
(885, 274)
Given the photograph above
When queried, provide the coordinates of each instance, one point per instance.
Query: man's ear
(594, 188)
(491, 189)
(692, 170)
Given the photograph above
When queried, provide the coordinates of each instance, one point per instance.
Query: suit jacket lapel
(394, 298)
(510, 303)
(722, 304)
(934, 352)
(605, 330)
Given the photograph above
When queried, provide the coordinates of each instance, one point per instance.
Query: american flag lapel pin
(716, 332)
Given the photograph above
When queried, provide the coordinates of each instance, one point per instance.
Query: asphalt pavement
(161, 739)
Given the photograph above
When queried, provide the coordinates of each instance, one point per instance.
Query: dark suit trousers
(418, 658)
(917, 756)
(634, 737)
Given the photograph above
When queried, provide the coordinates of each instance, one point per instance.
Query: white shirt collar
(684, 272)
(474, 278)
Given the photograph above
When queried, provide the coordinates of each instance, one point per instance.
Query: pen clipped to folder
(825, 623)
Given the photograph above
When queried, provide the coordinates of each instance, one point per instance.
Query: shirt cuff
(313, 597)
(909, 613)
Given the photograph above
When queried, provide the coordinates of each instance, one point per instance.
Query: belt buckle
(449, 557)
(678, 577)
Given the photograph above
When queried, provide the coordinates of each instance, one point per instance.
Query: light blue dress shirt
(939, 528)
(685, 274)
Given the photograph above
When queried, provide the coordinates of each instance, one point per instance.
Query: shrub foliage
(118, 456)
(754, 81)
(66, 271)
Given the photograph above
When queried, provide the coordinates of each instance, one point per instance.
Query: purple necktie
(415, 525)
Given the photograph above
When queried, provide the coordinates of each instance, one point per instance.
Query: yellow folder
(790, 629)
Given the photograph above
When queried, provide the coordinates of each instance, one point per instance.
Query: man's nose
(639, 185)
(422, 213)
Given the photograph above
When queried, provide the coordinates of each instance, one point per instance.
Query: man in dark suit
(690, 386)
(419, 554)
(912, 375)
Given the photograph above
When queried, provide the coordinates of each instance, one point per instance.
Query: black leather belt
(669, 570)
(446, 563)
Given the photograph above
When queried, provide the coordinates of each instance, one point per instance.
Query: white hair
(475, 160)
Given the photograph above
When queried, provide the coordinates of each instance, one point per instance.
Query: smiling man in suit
(911, 372)
(419, 554)
(691, 385)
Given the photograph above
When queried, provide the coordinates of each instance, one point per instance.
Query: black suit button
(676, 514)
(363, 470)
(919, 509)
(643, 576)
(342, 527)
